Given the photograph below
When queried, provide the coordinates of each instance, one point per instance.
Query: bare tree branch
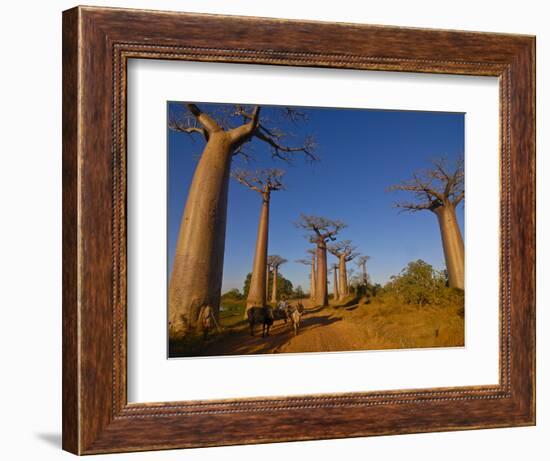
(295, 115)
(243, 133)
(458, 198)
(251, 126)
(178, 126)
(306, 262)
(343, 248)
(263, 181)
(442, 185)
(275, 261)
(361, 260)
(242, 178)
(322, 228)
(333, 267)
(280, 151)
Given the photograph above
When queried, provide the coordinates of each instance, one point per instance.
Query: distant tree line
(284, 288)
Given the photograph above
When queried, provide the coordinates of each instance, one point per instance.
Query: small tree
(440, 190)
(298, 292)
(232, 294)
(335, 289)
(312, 263)
(321, 230)
(275, 261)
(284, 286)
(361, 263)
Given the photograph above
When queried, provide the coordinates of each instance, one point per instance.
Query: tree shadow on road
(241, 343)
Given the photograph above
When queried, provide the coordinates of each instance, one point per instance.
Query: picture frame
(97, 44)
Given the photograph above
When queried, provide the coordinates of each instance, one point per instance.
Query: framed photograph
(284, 230)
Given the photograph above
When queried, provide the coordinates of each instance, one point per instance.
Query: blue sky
(362, 153)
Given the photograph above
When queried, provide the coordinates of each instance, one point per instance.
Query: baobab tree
(353, 281)
(345, 252)
(335, 291)
(321, 230)
(275, 261)
(308, 262)
(361, 263)
(263, 182)
(440, 189)
(267, 273)
(312, 277)
(198, 260)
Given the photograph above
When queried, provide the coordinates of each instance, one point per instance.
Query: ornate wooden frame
(97, 43)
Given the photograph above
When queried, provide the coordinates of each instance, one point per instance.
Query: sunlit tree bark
(440, 190)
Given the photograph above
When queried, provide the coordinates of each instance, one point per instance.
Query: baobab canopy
(270, 124)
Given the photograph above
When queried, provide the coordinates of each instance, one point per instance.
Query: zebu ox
(267, 315)
(281, 314)
(260, 315)
(295, 315)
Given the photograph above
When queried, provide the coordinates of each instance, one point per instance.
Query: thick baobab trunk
(453, 245)
(336, 292)
(321, 290)
(344, 289)
(198, 261)
(364, 270)
(313, 281)
(258, 288)
(274, 287)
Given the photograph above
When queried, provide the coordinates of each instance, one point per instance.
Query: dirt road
(320, 330)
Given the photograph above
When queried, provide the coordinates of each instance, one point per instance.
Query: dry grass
(392, 326)
(232, 312)
(344, 326)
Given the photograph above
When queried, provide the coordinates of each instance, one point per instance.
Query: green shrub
(419, 283)
(284, 286)
(232, 294)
